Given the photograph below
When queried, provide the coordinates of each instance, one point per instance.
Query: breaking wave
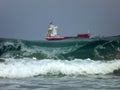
(94, 49)
(20, 68)
(22, 58)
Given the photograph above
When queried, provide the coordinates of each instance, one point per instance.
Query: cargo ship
(53, 35)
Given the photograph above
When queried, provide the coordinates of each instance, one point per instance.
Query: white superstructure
(52, 31)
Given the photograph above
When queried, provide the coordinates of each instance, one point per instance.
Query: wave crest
(80, 49)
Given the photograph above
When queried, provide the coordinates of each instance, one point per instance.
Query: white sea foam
(8, 43)
(19, 68)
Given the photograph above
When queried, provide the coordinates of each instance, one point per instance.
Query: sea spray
(20, 68)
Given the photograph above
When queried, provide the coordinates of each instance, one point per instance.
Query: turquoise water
(95, 49)
(77, 64)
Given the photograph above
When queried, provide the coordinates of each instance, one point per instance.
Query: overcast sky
(29, 19)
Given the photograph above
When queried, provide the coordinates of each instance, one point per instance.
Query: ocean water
(77, 64)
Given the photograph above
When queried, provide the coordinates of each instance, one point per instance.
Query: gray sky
(29, 19)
